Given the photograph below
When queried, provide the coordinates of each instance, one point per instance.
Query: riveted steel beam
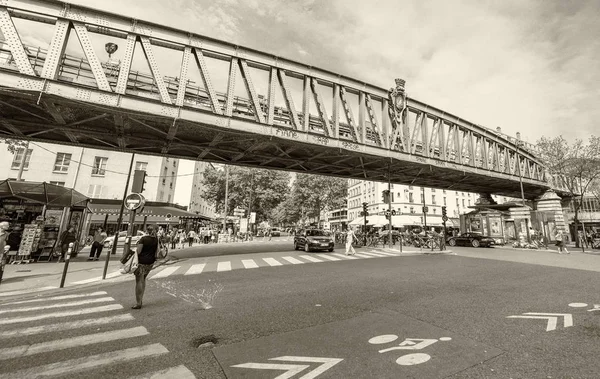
(14, 43)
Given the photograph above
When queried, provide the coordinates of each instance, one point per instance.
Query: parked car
(471, 239)
(313, 239)
(275, 232)
(108, 242)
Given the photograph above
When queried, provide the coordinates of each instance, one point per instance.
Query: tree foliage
(13, 144)
(313, 194)
(261, 190)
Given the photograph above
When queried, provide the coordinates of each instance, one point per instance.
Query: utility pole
(424, 208)
(23, 160)
(226, 195)
(521, 183)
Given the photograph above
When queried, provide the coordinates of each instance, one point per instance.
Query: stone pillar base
(550, 208)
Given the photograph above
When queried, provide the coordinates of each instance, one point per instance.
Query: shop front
(38, 213)
(105, 213)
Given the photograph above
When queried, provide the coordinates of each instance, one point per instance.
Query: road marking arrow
(551, 317)
(294, 369)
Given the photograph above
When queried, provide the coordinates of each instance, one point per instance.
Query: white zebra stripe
(78, 312)
(372, 254)
(59, 305)
(386, 254)
(272, 262)
(66, 326)
(293, 260)
(179, 372)
(67, 343)
(328, 257)
(99, 278)
(224, 266)
(195, 269)
(309, 258)
(361, 255)
(249, 263)
(86, 363)
(21, 292)
(345, 256)
(63, 297)
(166, 272)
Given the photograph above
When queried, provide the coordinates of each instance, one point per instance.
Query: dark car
(313, 239)
(471, 239)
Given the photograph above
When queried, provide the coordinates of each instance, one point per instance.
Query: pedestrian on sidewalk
(66, 238)
(146, 251)
(350, 237)
(560, 243)
(173, 238)
(191, 236)
(99, 238)
(180, 238)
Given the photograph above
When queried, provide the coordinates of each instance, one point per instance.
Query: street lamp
(518, 143)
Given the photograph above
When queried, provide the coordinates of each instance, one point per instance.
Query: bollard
(3, 261)
(67, 259)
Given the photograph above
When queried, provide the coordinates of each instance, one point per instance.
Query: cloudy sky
(528, 66)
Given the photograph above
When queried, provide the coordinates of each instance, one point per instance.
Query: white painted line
(165, 272)
(223, 266)
(179, 372)
(21, 292)
(59, 305)
(67, 343)
(373, 254)
(361, 255)
(272, 262)
(386, 254)
(195, 269)
(86, 363)
(249, 263)
(293, 260)
(63, 297)
(83, 311)
(309, 258)
(66, 326)
(86, 281)
(327, 257)
(345, 256)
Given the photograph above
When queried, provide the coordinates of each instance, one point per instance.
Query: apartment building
(197, 204)
(95, 173)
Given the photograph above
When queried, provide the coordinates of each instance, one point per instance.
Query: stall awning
(397, 221)
(42, 193)
(154, 211)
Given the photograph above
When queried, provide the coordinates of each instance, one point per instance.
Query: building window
(95, 191)
(99, 168)
(62, 184)
(412, 210)
(63, 160)
(143, 166)
(433, 199)
(463, 202)
(445, 201)
(169, 195)
(16, 163)
(457, 203)
(410, 197)
(174, 163)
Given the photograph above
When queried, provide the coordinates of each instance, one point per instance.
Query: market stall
(38, 213)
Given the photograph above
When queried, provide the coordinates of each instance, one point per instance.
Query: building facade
(95, 173)
(197, 204)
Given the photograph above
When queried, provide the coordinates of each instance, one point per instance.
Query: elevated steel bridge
(326, 123)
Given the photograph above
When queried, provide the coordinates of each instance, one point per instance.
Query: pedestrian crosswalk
(52, 328)
(235, 263)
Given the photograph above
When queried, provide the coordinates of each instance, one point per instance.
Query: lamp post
(518, 143)
(424, 208)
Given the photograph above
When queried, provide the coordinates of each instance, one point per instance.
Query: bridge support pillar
(549, 215)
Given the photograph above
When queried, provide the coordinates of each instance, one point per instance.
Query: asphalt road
(422, 316)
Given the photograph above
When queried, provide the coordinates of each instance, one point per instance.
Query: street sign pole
(119, 220)
(390, 204)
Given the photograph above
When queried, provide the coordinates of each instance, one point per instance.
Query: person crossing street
(350, 237)
(99, 238)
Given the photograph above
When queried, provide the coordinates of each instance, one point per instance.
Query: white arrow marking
(327, 364)
(294, 369)
(551, 317)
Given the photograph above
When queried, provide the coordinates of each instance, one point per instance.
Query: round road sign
(134, 201)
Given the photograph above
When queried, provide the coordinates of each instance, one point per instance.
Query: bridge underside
(48, 118)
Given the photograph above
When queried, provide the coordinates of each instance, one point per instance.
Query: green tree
(13, 144)
(258, 189)
(577, 165)
(313, 194)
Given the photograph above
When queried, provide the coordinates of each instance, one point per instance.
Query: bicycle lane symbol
(408, 344)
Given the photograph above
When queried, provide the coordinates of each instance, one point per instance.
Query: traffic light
(444, 214)
(139, 180)
(365, 209)
(386, 196)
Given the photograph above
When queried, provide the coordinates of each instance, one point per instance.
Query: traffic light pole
(390, 207)
(119, 221)
(424, 209)
(365, 225)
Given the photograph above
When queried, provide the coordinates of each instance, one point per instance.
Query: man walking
(99, 238)
(146, 251)
(350, 237)
(191, 237)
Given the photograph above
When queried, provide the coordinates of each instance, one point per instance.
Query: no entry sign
(134, 201)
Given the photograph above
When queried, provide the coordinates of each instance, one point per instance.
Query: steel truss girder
(473, 144)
